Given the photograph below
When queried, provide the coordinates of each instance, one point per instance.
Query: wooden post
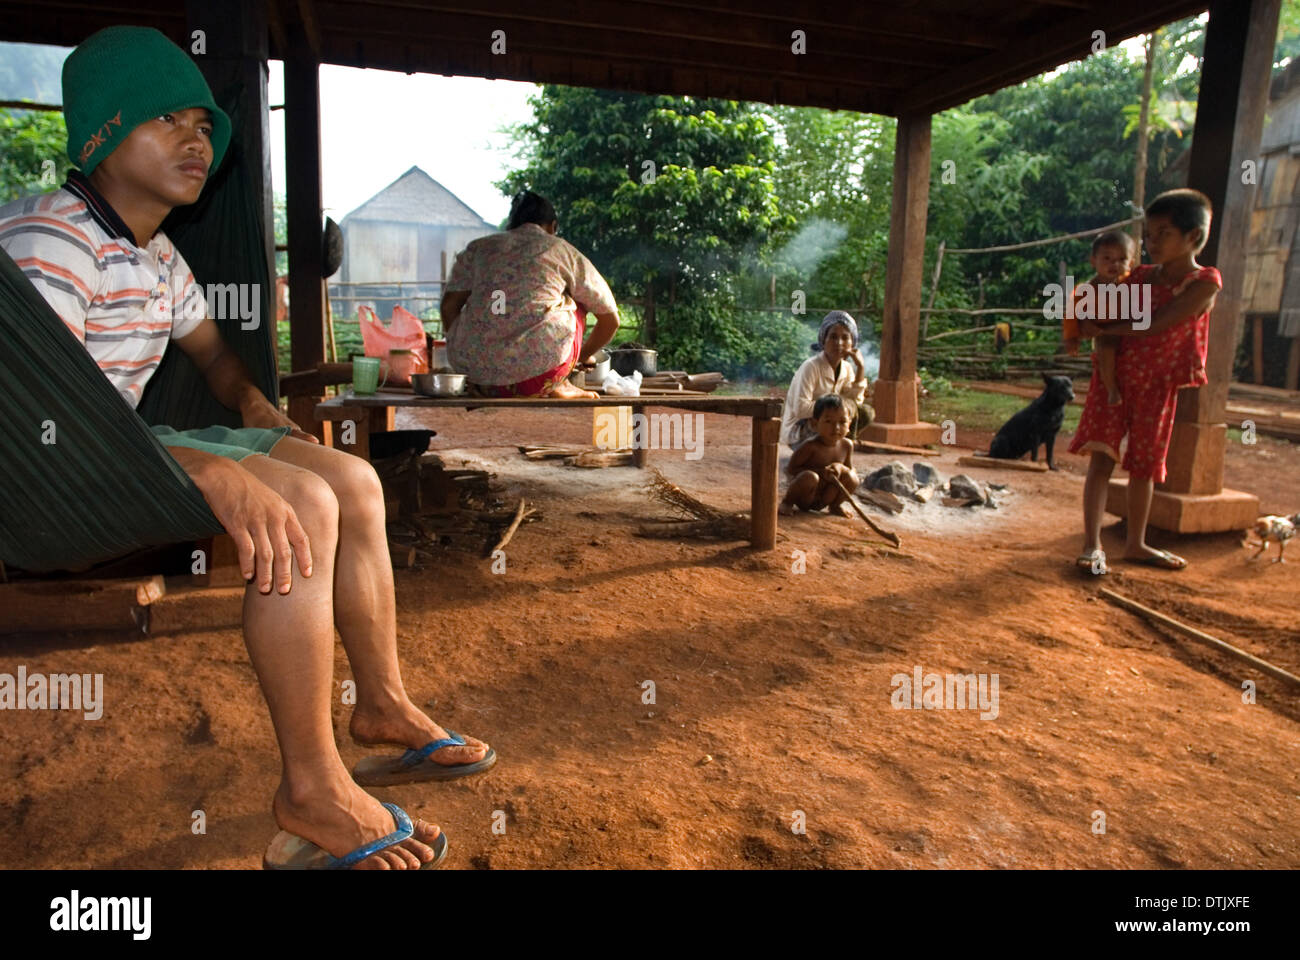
(1293, 365)
(1257, 348)
(1239, 42)
(303, 213)
(640, 455)
(894, 394)
(763, 483)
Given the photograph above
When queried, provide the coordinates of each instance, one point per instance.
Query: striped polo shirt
(124, 302)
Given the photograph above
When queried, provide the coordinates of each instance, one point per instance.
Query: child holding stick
(817, 463)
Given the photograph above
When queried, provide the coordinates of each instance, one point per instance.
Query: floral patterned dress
(520, 329)
(1150, 371)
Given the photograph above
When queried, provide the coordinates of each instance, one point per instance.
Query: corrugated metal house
(407, 233)
(1272, 294)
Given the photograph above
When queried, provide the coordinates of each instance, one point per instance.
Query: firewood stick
(510, 530)
(891, 537)
(1263, 666)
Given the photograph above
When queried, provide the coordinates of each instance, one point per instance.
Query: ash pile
(894, 485)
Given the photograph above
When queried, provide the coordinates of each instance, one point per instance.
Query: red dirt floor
(782, 678)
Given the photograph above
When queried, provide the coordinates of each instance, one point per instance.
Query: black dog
(1037, 424)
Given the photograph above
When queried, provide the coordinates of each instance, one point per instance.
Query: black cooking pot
(625, 361)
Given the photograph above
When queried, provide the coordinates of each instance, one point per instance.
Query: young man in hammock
(144, 129)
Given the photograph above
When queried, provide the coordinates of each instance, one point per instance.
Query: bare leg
(364, 605)
(801, 493)
(1095, 486)
(1139, 509)
(835, 499)
(290, 640)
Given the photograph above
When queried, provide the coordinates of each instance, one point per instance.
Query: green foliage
(1288, 34)
(278, 207)
(715, 334)
(668, 196)
(33, 158)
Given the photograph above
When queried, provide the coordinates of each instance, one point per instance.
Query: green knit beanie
(120, 77)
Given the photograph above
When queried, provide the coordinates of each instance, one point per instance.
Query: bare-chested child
(827, 455)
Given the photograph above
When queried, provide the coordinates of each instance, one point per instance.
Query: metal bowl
(438, 384)
(597, 376)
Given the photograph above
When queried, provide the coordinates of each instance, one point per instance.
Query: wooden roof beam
(310, 26)
(649, 16)
(685, 34)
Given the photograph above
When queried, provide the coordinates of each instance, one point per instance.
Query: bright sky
(376, 125)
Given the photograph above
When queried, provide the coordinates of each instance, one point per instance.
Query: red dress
(1150, 371)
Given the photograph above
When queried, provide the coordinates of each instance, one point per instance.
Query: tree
(33, 158)
(1171, 69)
(667, 195)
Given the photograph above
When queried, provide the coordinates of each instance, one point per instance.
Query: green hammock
(105, 486)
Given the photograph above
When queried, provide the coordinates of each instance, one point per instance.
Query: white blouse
(814, 379)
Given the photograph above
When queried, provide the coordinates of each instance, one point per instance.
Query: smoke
(812, 243)
(870, 360)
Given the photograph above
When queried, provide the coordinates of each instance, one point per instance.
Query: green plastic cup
(365, 375)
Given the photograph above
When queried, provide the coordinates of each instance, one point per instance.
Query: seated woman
(515, 306)
(828, 372)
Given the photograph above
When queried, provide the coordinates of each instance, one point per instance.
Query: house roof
(415, 197)
(881, 57)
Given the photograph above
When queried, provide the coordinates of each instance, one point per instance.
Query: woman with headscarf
(514, 310)
(837, 368)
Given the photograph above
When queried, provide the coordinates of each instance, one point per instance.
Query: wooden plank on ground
(882, 499)
(62, 605)
(993, 463)
(869, 446)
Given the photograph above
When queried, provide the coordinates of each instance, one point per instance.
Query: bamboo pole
(934, 289)
(1038, 243)
(1263, 666)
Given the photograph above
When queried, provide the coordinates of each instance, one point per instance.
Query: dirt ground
(772, 691)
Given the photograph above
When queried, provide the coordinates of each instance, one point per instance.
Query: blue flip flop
(289, 851)
(416, 766)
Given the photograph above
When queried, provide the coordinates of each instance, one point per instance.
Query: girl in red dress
(1154, 363)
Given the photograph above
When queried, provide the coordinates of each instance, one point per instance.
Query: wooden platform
(376, 412)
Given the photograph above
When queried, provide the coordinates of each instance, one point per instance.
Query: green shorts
(235, 444)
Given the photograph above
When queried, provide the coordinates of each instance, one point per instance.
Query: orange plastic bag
(399, 346)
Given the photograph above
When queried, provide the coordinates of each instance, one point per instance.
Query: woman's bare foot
(786, 509)
(406, 725)
(843, 509)
(339, 817)
(564, 390)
